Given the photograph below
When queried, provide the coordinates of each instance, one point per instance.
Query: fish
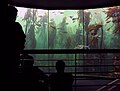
(110, 27)
(61, 12)
(38, 24)
(66, 23)
(107, 18)
(116, 31)
(40, 16)
(74, 18)
(71, 16)
(53, 12)
(108, 21)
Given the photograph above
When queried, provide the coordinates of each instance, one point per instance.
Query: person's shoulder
(19, 28)
(17, 24)
(69, 75)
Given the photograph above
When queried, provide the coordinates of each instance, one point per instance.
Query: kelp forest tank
(71, 29)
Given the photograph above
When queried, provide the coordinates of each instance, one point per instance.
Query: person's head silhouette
(12, 13)
(16, 32)
(60, 66)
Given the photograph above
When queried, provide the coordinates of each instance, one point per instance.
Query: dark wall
(65, 4)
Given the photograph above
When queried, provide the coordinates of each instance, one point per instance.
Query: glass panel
(71, 29)
(35, 25)
(65, 29)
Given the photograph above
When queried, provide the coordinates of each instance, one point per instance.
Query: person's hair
(60, 65)
(12, 10)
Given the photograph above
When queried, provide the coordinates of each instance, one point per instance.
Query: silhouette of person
(15, 44)
(31, 77)
(61, 81)
(16, 34)
(16, 39)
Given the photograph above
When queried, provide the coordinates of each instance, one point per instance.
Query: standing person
(31, 78)
(16, 36)
(61, 81)
(15, 44)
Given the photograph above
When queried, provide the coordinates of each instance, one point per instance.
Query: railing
(86, 65)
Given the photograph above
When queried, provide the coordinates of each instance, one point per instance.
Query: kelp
(114, 13)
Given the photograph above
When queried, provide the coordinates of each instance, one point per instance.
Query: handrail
(70, 51)
(78, 75)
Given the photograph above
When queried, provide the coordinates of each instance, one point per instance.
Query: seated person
(61, 81)
(31, 77)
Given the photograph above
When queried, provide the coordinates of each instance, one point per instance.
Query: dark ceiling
(65, 4)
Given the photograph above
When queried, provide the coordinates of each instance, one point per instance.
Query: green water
(70, 29)
(67, 29)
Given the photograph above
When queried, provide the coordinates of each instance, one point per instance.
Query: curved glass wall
(71, 29)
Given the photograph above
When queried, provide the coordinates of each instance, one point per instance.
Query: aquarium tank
(70, 29)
